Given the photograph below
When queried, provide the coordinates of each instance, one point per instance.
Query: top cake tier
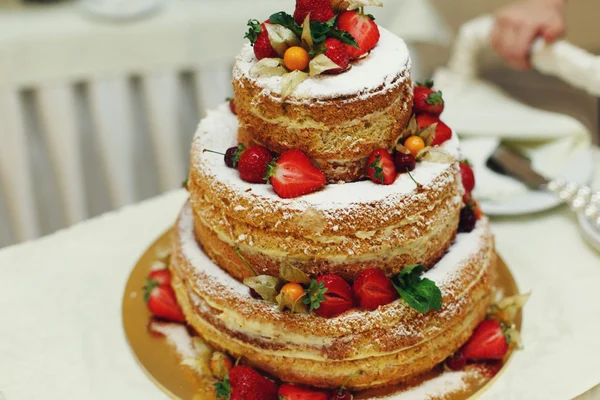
(337, 120)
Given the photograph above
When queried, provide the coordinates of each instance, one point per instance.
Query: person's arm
(519, 24)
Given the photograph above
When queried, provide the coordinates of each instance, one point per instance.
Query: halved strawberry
(244, 383)
(362, 28)
(293, 392)
(381, 168)
(487, 343)
(319, 10)
(253, 162)
(428, 101)
(161, 301)
(338, 297)
(161, 276)
(468, 177)
(336, 52)
(293, 175)
(373, 289)
(442, 131)
(259, 38)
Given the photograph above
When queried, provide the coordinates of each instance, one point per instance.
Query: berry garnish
(404, 162)
(336, 52)
(161, 301)
(427, 100)
(380, 167)
(442, 131)
(296, 58)
(468, 177)
(231, 156)
(415, 144)
(253, 164)
(161, 276)
(364, 30)
(456, 361)
(244, 383)
(254, 294)
(319, 10)
(294, 290)
(342, 393)
(329, 296)
(293, 175)
(467, 220)
(373, 289)
(487, 343)
(293, 392)
(259, 37)
(232, 105)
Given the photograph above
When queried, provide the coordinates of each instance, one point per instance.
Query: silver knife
(579, 198)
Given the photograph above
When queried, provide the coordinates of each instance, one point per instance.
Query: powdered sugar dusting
(218, 131)
(386, 62)
(444, 384)
(177, 336)
(196, 257)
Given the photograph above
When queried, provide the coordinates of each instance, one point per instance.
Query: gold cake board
(160, 361)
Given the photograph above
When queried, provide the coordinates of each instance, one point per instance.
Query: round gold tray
(160, 361)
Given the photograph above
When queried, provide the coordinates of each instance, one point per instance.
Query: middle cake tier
(342, 229)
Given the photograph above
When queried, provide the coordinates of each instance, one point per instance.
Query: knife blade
(508, 162)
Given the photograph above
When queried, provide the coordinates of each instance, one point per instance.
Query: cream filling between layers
(448, 269)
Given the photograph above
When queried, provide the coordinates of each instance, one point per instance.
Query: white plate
(589, 231)
(579, 169)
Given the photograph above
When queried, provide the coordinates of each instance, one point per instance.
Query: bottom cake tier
(392, 344)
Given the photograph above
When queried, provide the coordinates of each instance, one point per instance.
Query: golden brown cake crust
(390, 345)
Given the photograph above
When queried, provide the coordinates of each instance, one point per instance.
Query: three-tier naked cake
(336, 245)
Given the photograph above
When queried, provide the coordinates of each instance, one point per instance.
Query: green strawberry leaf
(428, 83)
(223, 389)
(378, 168)
(315, 295)
(254, 30)
(435, 98)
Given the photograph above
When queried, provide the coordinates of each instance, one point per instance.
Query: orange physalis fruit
(296, 58)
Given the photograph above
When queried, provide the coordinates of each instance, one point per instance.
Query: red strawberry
(293, 175)
(381, 168)
(442, 131)
(428, 101)
(259, 37)
(338, 297)
(293, 392)
(161, 276)
(319, 10)
(487, 343)
(161, 301)
(373, 289)
(247, 384)
(232, 105)
(468, 177)
(253, 164)
(362, 28)
(336, 52)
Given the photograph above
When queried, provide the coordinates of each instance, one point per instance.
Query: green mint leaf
(319, 31)
(414, 300)
(287, 21)
(422, 294)
(254, 30)
(427, 289)
(223, 389)
(343, 37)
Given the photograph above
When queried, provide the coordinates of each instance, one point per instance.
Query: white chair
(95, 115)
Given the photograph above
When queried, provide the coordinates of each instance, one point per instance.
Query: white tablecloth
(62, 337)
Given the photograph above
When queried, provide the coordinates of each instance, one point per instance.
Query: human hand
(519, 24)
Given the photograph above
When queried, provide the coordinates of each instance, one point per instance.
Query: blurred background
(99, 99)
